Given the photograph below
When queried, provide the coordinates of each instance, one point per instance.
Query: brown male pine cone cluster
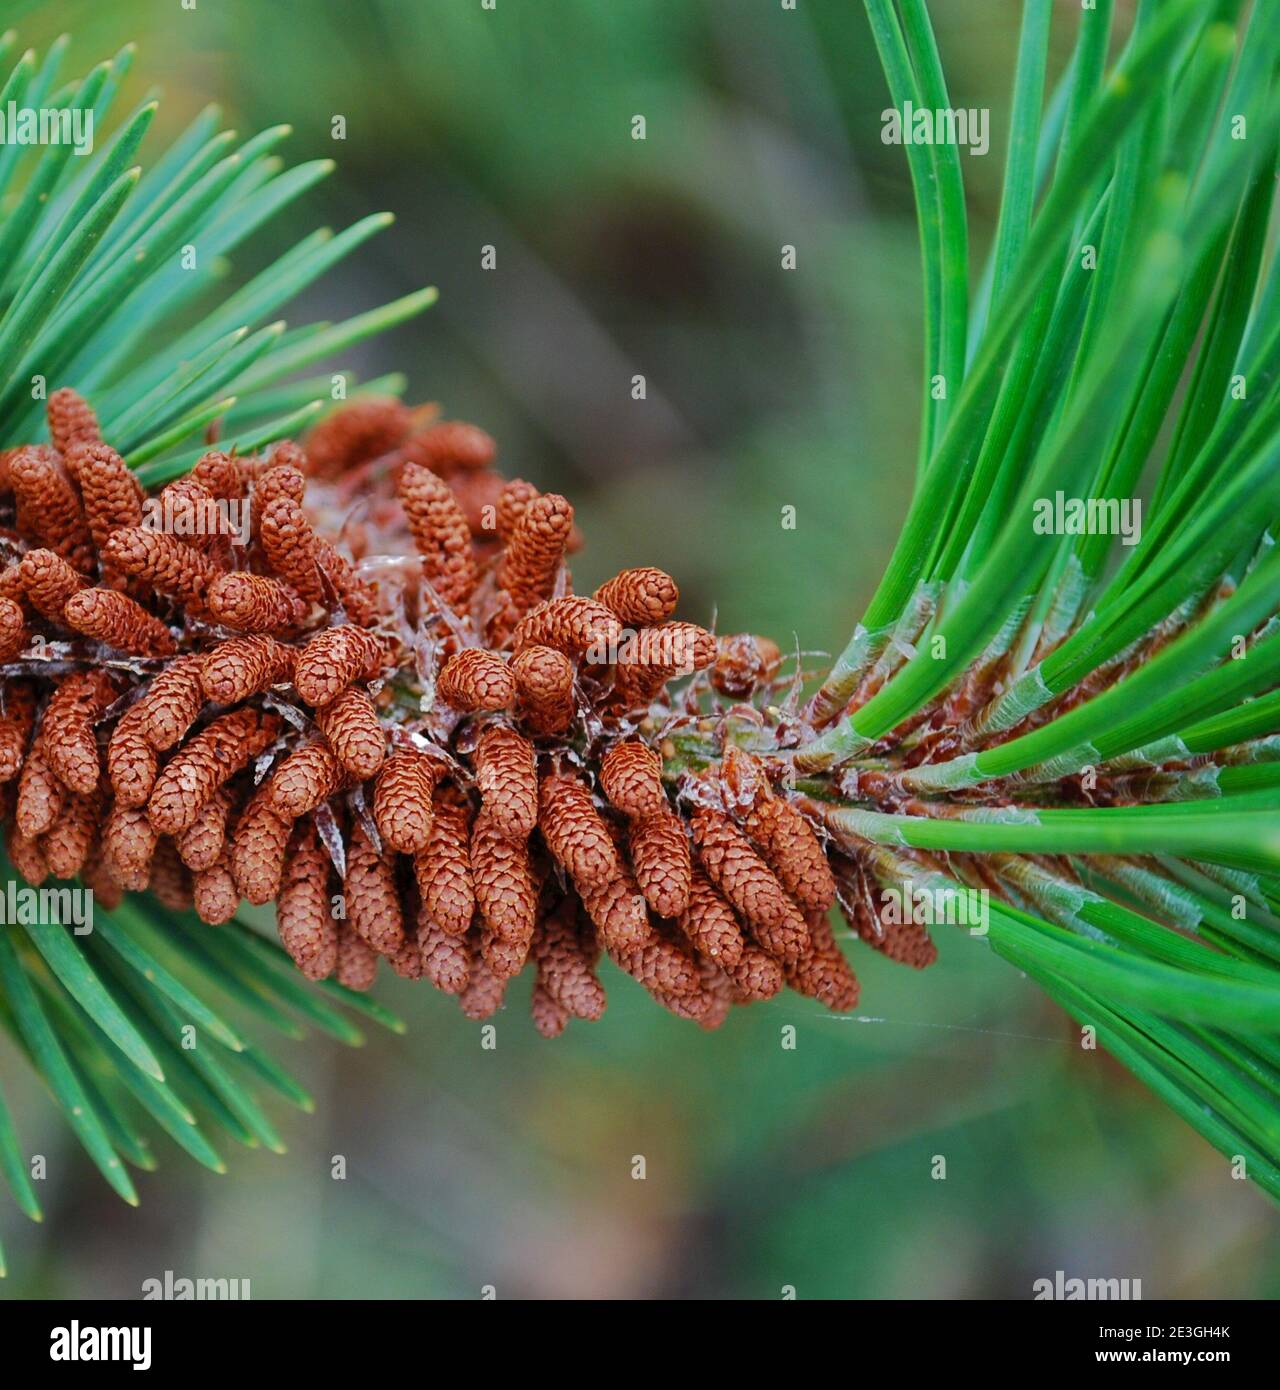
(398, 722)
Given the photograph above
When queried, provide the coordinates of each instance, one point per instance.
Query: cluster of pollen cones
(351, 678)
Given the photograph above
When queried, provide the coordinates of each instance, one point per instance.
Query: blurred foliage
(765, 1167)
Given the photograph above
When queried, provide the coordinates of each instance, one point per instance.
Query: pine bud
(507, 779)
(749, 885)
(13, 630)
(449, 445)
(631, 777)
(114, 618)
(172, 702)
(402, 800)
(202, 765)
(16, 725)
(476, 679)
(566, 967)
(572, 625)
(255, 603)
(49, 582)
(243, 666)
(176, 570)
(66, 730)
(357, 966)
(71, 420)
(350, 725)
(793, 852)
(373, 905)
(532, 558)
(575, 833)
(258, 851)
(303, 919)
(710, 924)
(307, 777)
(48, 505)
(661, 861)
(544, 686)
(334, 659)
(443, 868)
(440, 532)
(201, 844)
(640, 597)
(503, 879)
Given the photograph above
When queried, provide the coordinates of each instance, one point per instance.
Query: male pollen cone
(575, 833)
(533, 554)
(450, 444)
(350, 725)
(255, 603)
(492, 771)
(441, 534)
(303, 917)
(504, 886)
(309, 775)
(402, 800)
(443, 868)
(544, 689)
(117, 620)
(49, 582)
(572, 625)
(507, 779)
(475, 679)
(335, 659)
(72, 420)
(176, 570)
(372, 903)
(631, 777)
(243, 666)
(640, 596)
(13, 629)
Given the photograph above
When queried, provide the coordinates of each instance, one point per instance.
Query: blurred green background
(764, 1167)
